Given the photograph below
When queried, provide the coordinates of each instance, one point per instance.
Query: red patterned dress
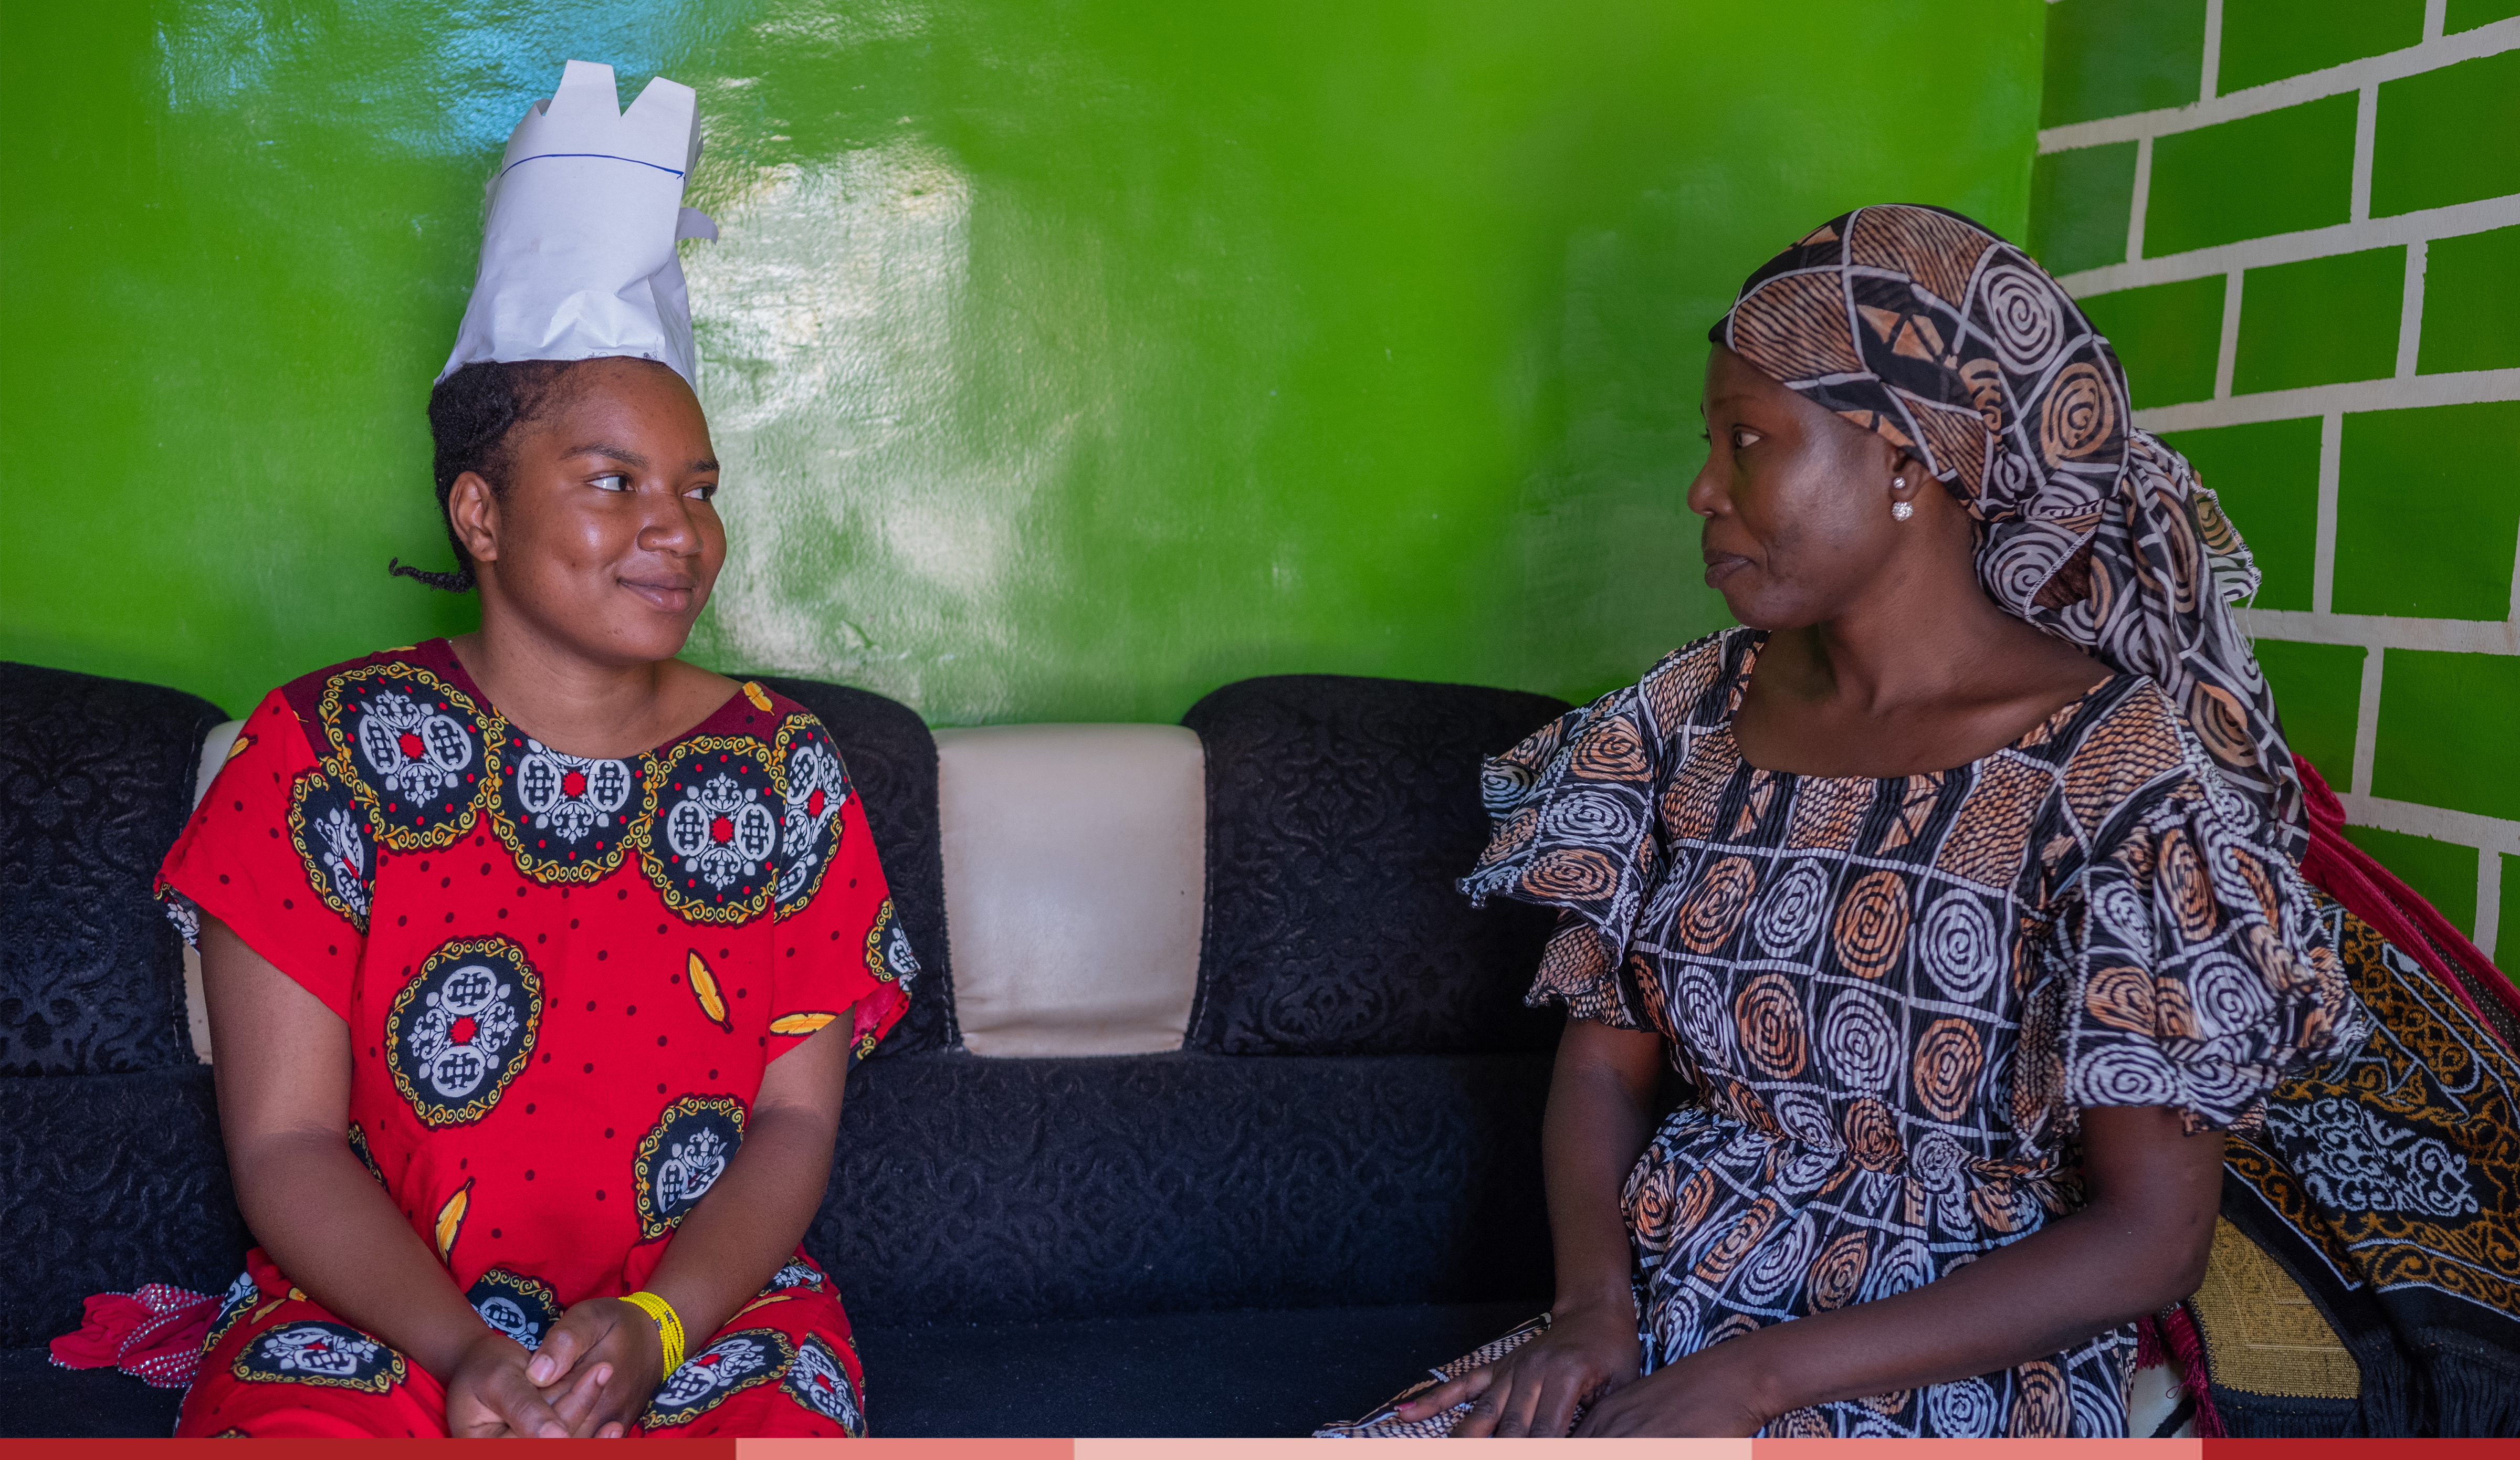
(564, 978)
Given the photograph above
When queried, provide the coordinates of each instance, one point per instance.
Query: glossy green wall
(1068, 359)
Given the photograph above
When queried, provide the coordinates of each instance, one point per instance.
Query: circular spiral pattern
(2123, 914)
(1859, 1043)
(2222, 722)
(1872, 1136)
(1937, 1162)
(1839, 1272)
(2123, 1075)
(1609, 750)
(1961, 949)
(1908, 1265)
(1872, 929)
(1949, 1059)
(2078, 416)
(1746, 1232)
(1768, 1016)
(2229, 997)
(2039, 1408)
(1572, 874)
(1715, 906)
(1778, 1263)
(1804, 1117)
(1502, 783)
(1963, 1409)
(1651, 1206)
(1697, 1010)
(2184, 887)
(2120, 997)
(2024, 317)
(1590, 816)
(1510, 837)
(1791, 912)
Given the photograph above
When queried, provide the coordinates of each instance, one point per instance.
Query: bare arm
(727, 1246)
(1601, 1114)
(284, 1087)
(2140, 1243)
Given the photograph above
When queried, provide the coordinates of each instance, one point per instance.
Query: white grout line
(2366, 129)
(2373, 631)
(2226, 352)
(2410, 312)
(2213, 50)
(2429, 55)
(2366, 729)
(2488, 900)
(2436, 16)
(2463, 389)
(2136, 208)
(2322, 558)
(2284, 248)
(2464, 828)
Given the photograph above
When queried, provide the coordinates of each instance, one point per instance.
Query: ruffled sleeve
(1572, 824)
(2195, 970)
(842, 953)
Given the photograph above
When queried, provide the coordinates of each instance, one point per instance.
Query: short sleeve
(282, 852)
(840, 950)
(2195, 972)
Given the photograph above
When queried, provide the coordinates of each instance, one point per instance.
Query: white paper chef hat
(577, 242)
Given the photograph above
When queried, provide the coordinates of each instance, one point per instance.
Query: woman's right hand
(489, 1396)
(1584, 1354)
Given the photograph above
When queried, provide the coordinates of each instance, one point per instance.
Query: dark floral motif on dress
(814, 785)
(681, 1158)
(566, 818)
(888, 949)
(711, 847)
(794, 1275)
(412, 746)
(335, 842)
(733, 1363)
(332, 1355)
(524, 1308)
(464, 1028)
(367, 1158)
(233, 1304)
(818, 1381)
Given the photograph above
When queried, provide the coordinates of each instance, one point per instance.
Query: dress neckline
(1739, 690)
(481, 701)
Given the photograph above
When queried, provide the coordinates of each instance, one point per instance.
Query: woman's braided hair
(471, 416)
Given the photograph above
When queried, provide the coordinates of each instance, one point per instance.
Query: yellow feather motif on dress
(450, 1218)
(800, 1024)
(705, 988)
(760, 696)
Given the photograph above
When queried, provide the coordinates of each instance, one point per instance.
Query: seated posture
(1956, 890)
(572, 942)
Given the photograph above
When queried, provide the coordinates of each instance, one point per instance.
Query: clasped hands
(591, 1377)
(1586, 1363)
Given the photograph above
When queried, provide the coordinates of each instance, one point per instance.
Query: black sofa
(1334, 1183)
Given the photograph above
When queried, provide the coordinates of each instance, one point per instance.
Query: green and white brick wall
(2298, 222)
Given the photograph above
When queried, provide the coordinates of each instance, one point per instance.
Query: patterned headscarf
(1956, 347)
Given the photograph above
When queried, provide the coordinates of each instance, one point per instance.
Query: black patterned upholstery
(1339, 812)
(893, 759)
(96, 777)
(983, 1190)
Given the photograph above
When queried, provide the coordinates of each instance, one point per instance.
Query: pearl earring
(1901, 511)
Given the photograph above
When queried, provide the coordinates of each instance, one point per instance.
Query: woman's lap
(283, 1366)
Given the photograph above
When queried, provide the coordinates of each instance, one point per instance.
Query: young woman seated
(535, 962)
(1956, 888)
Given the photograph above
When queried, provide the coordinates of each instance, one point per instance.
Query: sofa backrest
(96, 777)
(1341, 811)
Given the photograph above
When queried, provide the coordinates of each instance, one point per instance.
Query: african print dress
(1894, 997)
(564, 978)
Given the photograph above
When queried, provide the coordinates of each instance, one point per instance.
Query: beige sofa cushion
(1075, 873)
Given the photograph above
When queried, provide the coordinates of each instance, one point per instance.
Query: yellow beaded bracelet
(669, 1325)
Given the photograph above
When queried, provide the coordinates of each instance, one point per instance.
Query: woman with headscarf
(1957, 887)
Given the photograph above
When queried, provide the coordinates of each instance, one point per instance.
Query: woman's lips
(1719, 566)
(666, 597)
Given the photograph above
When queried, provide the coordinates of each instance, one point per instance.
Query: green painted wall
(1068, 359)
(2312, 268)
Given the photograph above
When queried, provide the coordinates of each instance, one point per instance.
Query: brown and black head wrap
(1921, 325)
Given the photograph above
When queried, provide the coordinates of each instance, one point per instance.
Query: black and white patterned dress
(1895, 996)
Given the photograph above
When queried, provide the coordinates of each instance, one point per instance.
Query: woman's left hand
(613, 1340)
(1698, 1397)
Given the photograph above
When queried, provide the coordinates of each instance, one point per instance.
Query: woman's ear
(1908, 481)
(473, 508)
